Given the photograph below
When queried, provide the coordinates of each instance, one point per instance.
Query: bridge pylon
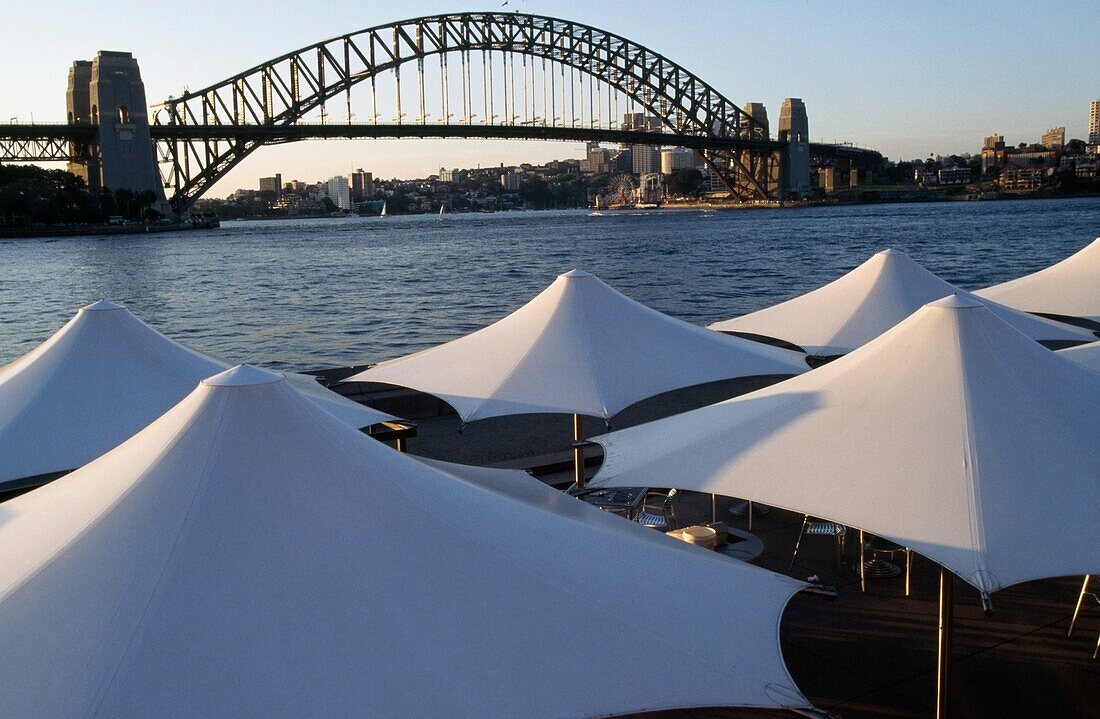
(108, 95)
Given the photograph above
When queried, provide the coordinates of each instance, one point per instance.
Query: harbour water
(306, 294)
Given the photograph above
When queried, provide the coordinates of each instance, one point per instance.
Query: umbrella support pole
(1080, 601)
(578, 451)
(713, 508)
(945, 643)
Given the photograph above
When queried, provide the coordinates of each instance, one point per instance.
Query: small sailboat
(596, 212)
(383, 212)
(441, 212)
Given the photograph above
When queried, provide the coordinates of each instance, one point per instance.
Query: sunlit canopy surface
(859, 306)
(1084, 355)
(952, 434)
(97, 381)
(249, 555)
(1070, 287)
(578, 347)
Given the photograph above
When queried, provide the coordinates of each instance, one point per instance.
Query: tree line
(31, 195)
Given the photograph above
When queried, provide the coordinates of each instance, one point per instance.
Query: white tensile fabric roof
(951, 434)
(578, 347)
(247, 554)
(854, 309)
(1070, 288)
(97, 381)
(1084, 355)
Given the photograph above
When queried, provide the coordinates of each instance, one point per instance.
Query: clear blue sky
(906, 78)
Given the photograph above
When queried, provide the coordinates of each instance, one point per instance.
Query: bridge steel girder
(46, 143)
(282, 91)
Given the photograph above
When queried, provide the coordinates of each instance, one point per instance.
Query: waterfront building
(954, 175)
(1024, 178)
(676, 158)
(446, 175)
(337, 190)
(360, 185)
(272, 184)
(1094, 123)
(1054, 139)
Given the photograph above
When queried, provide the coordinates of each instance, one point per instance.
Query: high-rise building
(676, 158)
(993, 152)
(510, 180)
(645, 159)
(794, 129)
(994, 142)
(1094, 123)
(338, 191)
(272, 184)
(360, 185)
(597, 160)
(1054, 139)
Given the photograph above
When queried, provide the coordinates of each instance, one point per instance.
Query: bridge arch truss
(203, 134)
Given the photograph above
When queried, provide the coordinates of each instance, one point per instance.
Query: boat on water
(596, 211)
(441, 213)
(383, 212)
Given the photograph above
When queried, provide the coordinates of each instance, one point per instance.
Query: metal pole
(713, 508)
(400, 444)
(578, 451)
(946, 641)
(862, 564)
(1080, 601)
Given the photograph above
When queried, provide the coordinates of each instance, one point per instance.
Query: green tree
(686, 182)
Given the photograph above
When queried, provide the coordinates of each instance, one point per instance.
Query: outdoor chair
(820, 529)
(658, 511)
(1095, 596)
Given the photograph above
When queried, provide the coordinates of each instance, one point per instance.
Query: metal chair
(1077, 611)
(876, 566)
(657, 511)
(820, 529)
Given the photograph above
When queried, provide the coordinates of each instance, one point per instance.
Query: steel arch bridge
(203, 134)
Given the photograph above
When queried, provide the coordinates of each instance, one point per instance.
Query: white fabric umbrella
(579, 347)
(249, 555)
(951, 434)
(854, 309)
(97, 381)
(1084, 355)
(1069, 288)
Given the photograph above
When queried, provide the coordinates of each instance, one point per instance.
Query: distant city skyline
(906, 80)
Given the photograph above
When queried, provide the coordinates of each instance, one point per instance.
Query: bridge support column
(108, 94)
(794, 129)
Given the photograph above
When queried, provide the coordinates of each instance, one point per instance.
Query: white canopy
(249, 555)
(1084, 355)
(951, 434)
(854, 309)
(1070, 288)
(97, 381)
(578, 347)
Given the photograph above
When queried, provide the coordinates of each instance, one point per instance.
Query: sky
(909, 79)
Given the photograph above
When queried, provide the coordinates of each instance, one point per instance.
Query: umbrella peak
(101, 306)
(575, 273)
(244, 375)
(955, 302)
